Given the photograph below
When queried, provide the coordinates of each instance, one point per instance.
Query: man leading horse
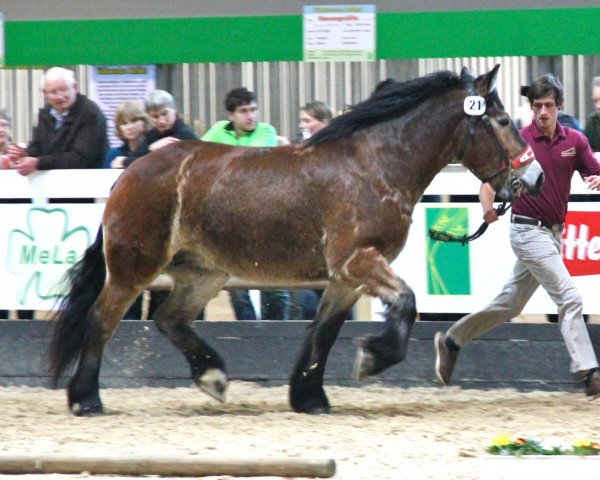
(535, 237)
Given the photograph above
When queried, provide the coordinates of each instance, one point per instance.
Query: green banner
(279, 38)
(448, 266)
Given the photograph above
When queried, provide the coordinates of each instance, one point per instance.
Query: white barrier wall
(40, 240)
(491, 261)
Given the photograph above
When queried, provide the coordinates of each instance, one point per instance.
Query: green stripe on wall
(279, 38)
(147, 41)
(489, 33)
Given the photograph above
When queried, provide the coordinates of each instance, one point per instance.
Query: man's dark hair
(238, 97)
(545, 86)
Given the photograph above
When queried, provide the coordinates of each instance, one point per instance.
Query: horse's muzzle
(532, 179)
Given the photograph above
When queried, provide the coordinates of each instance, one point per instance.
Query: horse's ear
(465, 73)
(487, 83)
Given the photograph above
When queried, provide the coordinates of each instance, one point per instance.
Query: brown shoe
(592, 384)
(445, 359)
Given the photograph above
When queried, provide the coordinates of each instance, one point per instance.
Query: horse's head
(492, 147)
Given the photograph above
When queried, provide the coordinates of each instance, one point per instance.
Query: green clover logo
(40, 256)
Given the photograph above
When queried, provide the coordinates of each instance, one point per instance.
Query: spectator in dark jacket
(168, 127)
(70, 132)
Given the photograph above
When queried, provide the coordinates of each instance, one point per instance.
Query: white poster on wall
(113, 84)
(339, 32)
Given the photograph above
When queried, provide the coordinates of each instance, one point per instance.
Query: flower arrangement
(506, 445)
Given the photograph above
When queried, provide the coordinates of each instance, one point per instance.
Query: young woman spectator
(167, 126)
(131, 125)
(313, 117)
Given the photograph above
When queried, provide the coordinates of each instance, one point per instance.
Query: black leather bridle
(526, 156)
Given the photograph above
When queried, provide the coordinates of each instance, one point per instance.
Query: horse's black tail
(75, 328)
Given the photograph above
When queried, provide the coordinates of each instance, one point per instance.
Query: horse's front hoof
(364, 365)
(312, 407)
(214, 382)
(304, 399)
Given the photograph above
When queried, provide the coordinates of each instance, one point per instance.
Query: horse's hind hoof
(214, 382)
(87, 409)
(364, 365)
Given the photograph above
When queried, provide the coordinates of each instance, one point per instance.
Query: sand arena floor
(374, 432)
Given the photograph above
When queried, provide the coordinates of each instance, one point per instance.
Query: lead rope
(442, 236)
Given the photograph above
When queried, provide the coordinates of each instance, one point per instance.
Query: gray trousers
(539, 262)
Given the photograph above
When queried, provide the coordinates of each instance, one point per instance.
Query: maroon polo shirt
(560, 157)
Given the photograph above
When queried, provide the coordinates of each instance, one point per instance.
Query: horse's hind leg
(193, 288)
(83, 392)
(306, 383)
(378, 352)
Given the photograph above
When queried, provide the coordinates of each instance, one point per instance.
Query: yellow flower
(501, 440)
(583, 443)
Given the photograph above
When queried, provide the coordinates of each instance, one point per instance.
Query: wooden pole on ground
(182, 466)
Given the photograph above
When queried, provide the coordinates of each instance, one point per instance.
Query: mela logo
(39, 257)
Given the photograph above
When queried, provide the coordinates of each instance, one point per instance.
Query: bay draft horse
(337, 207)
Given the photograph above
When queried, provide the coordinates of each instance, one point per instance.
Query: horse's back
(257, 213)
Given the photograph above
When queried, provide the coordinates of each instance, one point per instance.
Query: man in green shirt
(243, 129)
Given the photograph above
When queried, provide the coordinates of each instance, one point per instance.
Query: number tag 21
(474, 105)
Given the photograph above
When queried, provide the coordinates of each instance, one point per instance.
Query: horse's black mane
(389, 100)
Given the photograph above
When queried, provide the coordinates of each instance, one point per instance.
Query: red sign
(581, 243)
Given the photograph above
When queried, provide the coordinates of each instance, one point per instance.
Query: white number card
(474, 105)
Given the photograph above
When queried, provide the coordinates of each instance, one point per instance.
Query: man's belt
(523, 220)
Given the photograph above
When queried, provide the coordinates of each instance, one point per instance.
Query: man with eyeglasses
(243, 129)
(70, 132)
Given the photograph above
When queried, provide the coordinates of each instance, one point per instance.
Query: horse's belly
(264, 261)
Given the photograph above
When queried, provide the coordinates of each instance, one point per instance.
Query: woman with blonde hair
(314, 116)
(131, 125)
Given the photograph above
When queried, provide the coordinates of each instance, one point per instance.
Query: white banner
(37, 246)
(39, 241)
(491, 260)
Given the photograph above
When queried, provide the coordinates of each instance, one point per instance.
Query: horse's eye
(504, 122)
